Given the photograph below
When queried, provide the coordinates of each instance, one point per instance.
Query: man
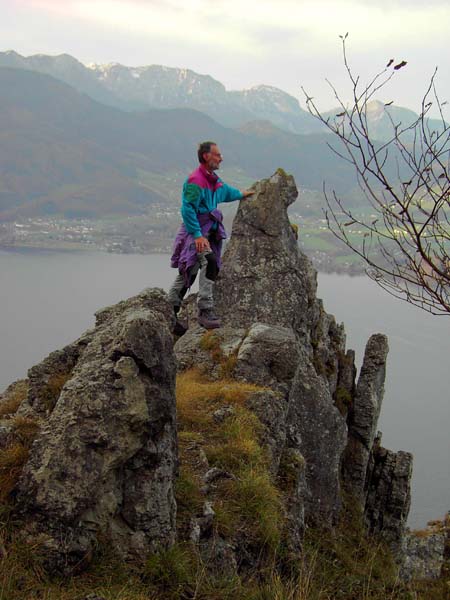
(198, 243)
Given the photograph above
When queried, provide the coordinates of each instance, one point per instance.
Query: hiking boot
(207, 319)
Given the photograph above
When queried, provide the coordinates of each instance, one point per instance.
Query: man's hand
(246, 193)
(202, 245)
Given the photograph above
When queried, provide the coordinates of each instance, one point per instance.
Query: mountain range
(90, 141)
(62, 152)
(154, 86)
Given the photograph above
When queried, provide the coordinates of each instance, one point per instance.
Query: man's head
(209, 155)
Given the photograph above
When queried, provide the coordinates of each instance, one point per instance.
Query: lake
(47, 299)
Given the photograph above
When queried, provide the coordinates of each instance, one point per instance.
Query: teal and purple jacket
(202, 192)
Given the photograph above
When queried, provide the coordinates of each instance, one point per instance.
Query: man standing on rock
(198, 243)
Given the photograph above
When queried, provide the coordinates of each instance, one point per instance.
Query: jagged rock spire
(265, 278)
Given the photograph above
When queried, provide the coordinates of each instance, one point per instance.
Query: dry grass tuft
(236, 445)
(12, 460)
(227, 366)
(210, 342)
(50, 393)
(22, 577)
(25, 429)
(13, 398)
(248, 505)
(14, 456)
(198, 398)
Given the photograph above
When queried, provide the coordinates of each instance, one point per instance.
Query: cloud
(238, 26)
(283, 43)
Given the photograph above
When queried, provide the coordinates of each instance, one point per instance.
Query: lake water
(47, 299)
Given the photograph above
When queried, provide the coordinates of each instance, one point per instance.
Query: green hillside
(64, 154)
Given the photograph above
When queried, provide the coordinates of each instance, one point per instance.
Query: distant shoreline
(43, 250)
(353, 270)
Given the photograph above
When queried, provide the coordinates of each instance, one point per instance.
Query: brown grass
(22, 577)
(25, 429)
(198, 398)
(50, 393)
(14, 456)
(13, 398)
(248, 505)
(12, 460)
(210, 342)
(236, 444)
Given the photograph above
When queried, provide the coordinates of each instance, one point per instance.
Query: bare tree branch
(405, 242)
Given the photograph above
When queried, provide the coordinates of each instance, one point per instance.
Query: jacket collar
(211, 177)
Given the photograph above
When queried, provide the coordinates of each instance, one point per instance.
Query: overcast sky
(284, 43)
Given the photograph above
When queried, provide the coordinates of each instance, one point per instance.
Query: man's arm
(230, 194)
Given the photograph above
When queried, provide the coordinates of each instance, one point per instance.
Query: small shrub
(294, 228)
(292, 464)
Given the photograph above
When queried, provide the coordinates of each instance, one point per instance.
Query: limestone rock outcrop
(280, 337)
(363, 415)
(103, 465)
(427, 552)
(388, 494)
(374, 477)
(265, 279)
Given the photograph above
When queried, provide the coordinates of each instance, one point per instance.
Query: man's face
(213, 158)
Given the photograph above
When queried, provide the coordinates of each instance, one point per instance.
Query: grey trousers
(205, 285)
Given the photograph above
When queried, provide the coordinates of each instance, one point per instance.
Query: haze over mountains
(140, 88)
(91, 141)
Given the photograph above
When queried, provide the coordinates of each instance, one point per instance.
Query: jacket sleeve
(226, 193)
(190, 203)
